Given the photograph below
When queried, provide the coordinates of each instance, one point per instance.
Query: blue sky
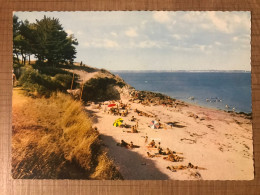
(158, 40)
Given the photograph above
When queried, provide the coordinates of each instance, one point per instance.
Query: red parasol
(111, 105)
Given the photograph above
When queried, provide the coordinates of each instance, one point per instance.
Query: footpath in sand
(219, 143)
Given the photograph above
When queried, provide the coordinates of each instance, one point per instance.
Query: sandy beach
(217, 142)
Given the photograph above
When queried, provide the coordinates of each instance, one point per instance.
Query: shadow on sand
(92, 115)
(132, 165)
(175, 124)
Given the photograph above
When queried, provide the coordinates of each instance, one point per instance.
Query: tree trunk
(17, 57)
(24, 59)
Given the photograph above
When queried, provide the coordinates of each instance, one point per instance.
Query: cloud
(110, 44)
(105, 43)
(69, 32)
(178, 36)
(217, 43)
(114, 34)
(131, 32)
(235, 38)
(229, 23)
(161, 16)
(194, 16)
(80, 32)
(219, 22)
(242, 40)
(149, 44)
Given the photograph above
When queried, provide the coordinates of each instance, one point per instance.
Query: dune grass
(53, 139)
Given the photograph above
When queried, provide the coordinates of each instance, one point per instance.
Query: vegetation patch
(101, 89)
(53, 139)
(37, 83)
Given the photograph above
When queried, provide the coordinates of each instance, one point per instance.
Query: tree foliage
(45, 39)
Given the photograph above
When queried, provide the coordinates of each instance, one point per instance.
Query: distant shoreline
(180, 71)
(136, 78)
(195, 104)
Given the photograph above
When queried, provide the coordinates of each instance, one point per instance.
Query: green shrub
(100, 89)
(51, 71)
(34, 81)
(64, 80)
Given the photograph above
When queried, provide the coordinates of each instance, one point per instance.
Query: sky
(158, 40)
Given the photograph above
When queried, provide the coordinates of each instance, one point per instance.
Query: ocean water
(209, 89)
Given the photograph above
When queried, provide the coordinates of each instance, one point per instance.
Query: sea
(230, 91)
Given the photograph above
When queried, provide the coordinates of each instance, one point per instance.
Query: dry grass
(53, 138)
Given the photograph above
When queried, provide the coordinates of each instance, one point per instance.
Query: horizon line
(241, 71)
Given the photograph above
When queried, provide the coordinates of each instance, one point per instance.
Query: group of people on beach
(122, 109)
(171, 155)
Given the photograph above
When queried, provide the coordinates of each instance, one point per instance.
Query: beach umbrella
(118, 122)
(111, 105)
(154, 125)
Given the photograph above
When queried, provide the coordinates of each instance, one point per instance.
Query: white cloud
(161, 16)
(114, 34)
(148, 44)
(194, 16)
(219, 22)
(229, 23)
(143, 23)
(80, 32)
(86, 44)
(131, 32)
(110, 44)
(217, 43)
(202, 47)
(216, 21)
(178, 36)
(235, 39)
(69, 32)
(243, 40)
(105, 43)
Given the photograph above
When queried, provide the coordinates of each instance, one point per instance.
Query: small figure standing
(14, 78)
(146, 139)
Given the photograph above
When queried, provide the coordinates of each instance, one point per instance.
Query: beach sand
(218, 142)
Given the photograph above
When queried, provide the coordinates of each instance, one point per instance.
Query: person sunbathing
(131, 145)
(168, 151)
(173, 158)
(194, 167)
(123, 144)
(152, 144)
(160, 151)
(175, 168)
(152, 155)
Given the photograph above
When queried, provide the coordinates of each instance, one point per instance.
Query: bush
(49, 70)
(100, 89)
(64, 80)
(34, 81)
